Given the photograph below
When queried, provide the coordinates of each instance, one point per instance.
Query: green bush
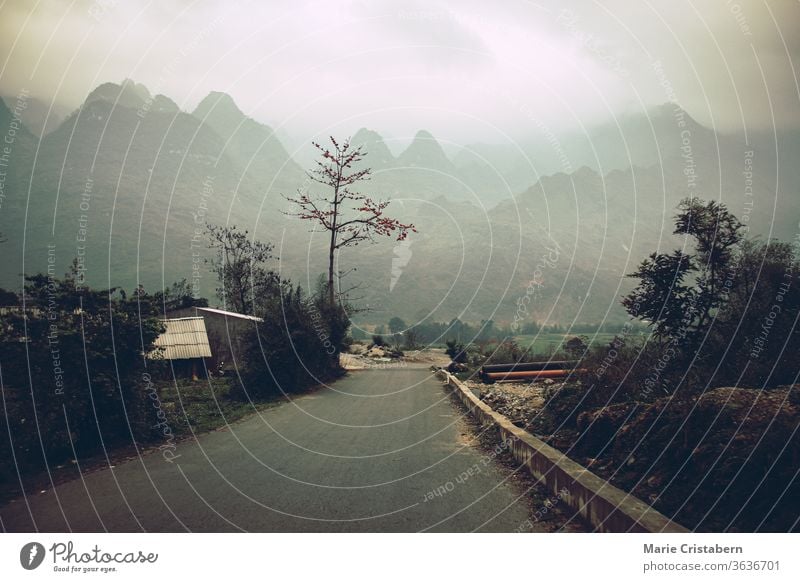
(73, 373)
(506, 352)
(297, 345)
(457, 351)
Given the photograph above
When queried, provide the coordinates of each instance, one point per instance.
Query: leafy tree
(397, 325)
(717, 234)
(576, 346)
(8, 298)
(486, 331)
(241, 266)
(299, 339)
(72, 368)
(179, 295)
(411, 338)
(679, 293)
(755, 339)
(458, 328)
(663, 297)
(728, 311)
(292, 348)
(456, 350)
(349, 217)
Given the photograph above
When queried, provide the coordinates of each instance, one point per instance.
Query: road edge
(606, 507)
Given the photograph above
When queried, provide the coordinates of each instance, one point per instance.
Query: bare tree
(349, 216)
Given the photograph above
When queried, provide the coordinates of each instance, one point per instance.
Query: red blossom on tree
(348, 215)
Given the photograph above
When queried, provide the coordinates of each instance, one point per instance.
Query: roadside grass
(190, 408)
(194, 407)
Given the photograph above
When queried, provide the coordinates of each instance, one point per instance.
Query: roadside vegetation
(486, 336)
(73, 372)
(700, 417)
(78, 372)
(79, 376)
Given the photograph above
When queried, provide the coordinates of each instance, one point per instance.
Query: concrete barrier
(605, 507)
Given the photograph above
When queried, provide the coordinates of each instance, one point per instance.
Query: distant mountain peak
(425, 151)
(378, 153)
(672, 112)
(585, 171)
(363, 135)
(219, 105)
(164, 104)
(423, 134)
(125, 94)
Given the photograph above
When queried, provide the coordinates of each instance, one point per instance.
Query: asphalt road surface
(365, 454)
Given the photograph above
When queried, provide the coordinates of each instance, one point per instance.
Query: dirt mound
(598, 428)
(724, 461)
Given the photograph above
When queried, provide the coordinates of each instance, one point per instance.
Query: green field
(546, 343)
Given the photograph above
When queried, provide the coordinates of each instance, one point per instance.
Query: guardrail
(604, 506)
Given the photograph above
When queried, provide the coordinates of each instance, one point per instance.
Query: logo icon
(31, 555)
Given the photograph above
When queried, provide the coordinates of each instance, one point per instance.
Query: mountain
(128, 180)
(163, 104)
(218, 109)
(479, 263)
(425, 152)
(16, 160)
(127, 183)
(40, 117)
(378, 155)
(126, 94)
(423, 172)
(254, 147)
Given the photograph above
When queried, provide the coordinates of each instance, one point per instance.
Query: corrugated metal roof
(228, 313)
(184, 338)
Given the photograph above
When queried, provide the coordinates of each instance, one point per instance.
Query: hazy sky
(469, 70)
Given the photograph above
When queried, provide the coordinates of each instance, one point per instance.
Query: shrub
(411, 339)
(456, 351)
(576, 346)
(507, 352)
(73, 373)
(725, 314)
(297, 345)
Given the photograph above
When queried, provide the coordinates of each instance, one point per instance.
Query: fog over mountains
(127, 181)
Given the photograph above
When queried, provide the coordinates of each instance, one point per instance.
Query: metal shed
(226, 332)
(184, 338)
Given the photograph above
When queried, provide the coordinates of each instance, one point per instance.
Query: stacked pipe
(527, 370)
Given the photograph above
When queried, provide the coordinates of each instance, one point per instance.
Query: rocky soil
(364, 357)
(726, 460)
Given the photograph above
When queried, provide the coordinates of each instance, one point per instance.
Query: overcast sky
(467, 70)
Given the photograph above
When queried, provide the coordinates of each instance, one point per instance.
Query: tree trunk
(331, 252)
(334, 223)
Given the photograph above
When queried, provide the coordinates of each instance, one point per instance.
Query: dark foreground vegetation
(701, 419)
(81, 376)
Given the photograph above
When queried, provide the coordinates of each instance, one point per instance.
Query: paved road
(361, 455)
